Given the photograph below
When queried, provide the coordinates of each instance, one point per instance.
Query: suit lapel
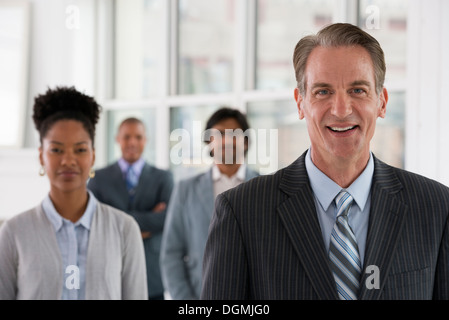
(143, 183)
(299, 217)
(119, 182)
(385, 226)
(298, 214)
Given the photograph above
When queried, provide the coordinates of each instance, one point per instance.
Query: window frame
(244, 64)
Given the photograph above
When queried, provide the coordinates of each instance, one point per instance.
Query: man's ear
(299, 102)
(383, 99)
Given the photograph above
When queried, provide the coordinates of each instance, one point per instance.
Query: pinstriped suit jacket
(265, 240)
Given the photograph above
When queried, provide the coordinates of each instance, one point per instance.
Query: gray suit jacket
(155, 185)
(265, 240)
(185, 234)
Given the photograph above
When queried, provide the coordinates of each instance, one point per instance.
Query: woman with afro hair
(70, 246)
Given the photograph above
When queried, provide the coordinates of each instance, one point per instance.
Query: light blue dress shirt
(325, 190)
(73, 241)
(137, 166)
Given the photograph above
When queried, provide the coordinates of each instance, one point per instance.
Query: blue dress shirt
(73, 241)
(325, 190)
(137, 166)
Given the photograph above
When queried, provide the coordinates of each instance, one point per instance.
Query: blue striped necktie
(131, 181)
(343, 251)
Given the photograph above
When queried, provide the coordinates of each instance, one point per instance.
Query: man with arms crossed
(141, 190)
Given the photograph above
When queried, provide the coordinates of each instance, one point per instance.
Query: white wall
(427, 114)
(21, 187)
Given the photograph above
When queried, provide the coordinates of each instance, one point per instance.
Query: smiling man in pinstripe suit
(269, 238)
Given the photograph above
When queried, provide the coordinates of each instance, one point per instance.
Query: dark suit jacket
(265, 240)
(155, 185)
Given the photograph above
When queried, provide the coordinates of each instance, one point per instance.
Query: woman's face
(67, 156)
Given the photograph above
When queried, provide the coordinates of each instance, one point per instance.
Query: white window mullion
(168, 85)
(173, 43)
(250, 46)
(346, 11)
(444, 98)
(240, 40)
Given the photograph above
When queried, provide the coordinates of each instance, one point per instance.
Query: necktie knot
(343, 201)
(131, 178)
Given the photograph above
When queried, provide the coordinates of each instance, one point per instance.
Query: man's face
(230, 143)
(340, 105)
(131, 138)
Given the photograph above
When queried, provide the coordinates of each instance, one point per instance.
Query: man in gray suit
(283, 236)
(140, 189)
(192, 204)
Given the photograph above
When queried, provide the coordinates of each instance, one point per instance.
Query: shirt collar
(57, 220)
(240, 174)
(137, 166)
(326, 189)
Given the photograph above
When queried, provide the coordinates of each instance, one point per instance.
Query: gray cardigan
(31, 265)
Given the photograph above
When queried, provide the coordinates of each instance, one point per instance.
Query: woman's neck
(70, 205)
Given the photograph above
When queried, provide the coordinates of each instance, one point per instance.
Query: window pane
(115, 117)
(139, 48)
(277, 118)
(293, 138)
(206, 46)
(14, 23)
(387, 22)
(280, 25)
(388, 141)
(188, 152)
